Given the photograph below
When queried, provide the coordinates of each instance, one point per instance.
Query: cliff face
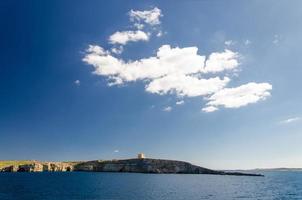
(143, 166)
(129, 165)
(36, 166)
(150, 166)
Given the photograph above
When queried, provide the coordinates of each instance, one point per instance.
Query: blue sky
(56, 102)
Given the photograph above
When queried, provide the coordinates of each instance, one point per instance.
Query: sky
(215, 83)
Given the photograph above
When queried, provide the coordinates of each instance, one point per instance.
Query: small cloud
(77, 82)
(167, 109)
(209, 109)
(229, 42)
(124, 37)
(276, 39)
(180, 102)
(117, 50)
(290, 120)
(115, 81)
(151, 17)
(159, 34)
(116, 151)
(239, 96)
(247, 42)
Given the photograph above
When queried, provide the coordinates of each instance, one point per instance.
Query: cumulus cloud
(239, 96)
(179, 71)
(167, 109)
(151, 17)
(174, 70)
(176, 62)
(124, 37)
(140, 19)
(290, 120)
(220, 61)
(183, 85)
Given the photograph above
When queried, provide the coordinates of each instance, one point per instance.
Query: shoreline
(135, 165)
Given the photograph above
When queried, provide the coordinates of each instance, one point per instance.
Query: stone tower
(141, 156)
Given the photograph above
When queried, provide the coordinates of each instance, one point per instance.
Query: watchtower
(141, 156)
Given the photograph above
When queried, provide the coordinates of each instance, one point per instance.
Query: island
(134, 165)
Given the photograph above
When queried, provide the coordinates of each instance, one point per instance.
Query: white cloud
(159, 34)
(151, 17)
(124, 37)
(229, 43)
(140, 19)
(176, 62)
(276, 39)
(138, 26)
(166, 62)
(290, 120)
(77, 82)
(117, 50)
(167, 109)
(209, 109)
(96, 50)
(174, 70)
(183, 85)
(179, 71)
(115, 81)
(247, 42)
(180, 102)
(220, 61)
(116, 151)
(240, 96)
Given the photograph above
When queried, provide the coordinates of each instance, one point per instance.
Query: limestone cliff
(145, 165)
(150, 166)
(37, 166)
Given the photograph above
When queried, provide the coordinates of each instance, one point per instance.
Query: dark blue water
(116, 186)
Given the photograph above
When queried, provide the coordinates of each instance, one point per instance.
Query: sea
(276, 185)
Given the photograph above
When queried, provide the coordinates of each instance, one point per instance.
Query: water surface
(132, 186)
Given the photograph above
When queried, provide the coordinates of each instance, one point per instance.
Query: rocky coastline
(145, 165)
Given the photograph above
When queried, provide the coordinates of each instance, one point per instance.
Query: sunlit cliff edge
(136, 165)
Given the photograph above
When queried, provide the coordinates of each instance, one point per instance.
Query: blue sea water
(131, 186)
